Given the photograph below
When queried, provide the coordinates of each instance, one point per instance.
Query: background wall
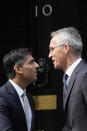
(28, 24)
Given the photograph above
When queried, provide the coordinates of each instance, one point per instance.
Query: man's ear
(66, 46)
(17, 69)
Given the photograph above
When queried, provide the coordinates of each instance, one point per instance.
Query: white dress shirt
(71, 68)
(20, 91)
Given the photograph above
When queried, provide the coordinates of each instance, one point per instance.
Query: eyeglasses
(52, 49)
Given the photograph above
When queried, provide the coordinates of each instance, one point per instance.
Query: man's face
(57, 53)
(29, 69)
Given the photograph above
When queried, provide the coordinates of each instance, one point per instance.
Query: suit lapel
(71, 83)
(69, 88)
(15, 98)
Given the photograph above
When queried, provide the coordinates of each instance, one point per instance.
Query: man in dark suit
(65, 51)
(21, 70)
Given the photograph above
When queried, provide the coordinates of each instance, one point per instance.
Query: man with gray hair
(65, 51)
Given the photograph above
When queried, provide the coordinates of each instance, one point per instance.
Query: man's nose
(49, 56)
(37, 65)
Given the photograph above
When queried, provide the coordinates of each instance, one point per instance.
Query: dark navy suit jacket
(12, 117)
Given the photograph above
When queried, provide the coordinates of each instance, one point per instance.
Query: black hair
(15, 57)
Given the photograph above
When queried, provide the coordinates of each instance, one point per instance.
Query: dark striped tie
(64, 82)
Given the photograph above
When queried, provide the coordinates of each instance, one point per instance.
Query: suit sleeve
(83, 83)
(5, 122)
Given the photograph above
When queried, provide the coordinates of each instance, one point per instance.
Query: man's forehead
(53, 41)
(54, 38)
(30, 57)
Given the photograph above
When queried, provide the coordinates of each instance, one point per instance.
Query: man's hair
(15, 57)
(69, 36)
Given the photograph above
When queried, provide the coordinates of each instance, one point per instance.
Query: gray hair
(71, 37)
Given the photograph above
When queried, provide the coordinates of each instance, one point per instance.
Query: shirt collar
(17, 88)
(72, 67)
